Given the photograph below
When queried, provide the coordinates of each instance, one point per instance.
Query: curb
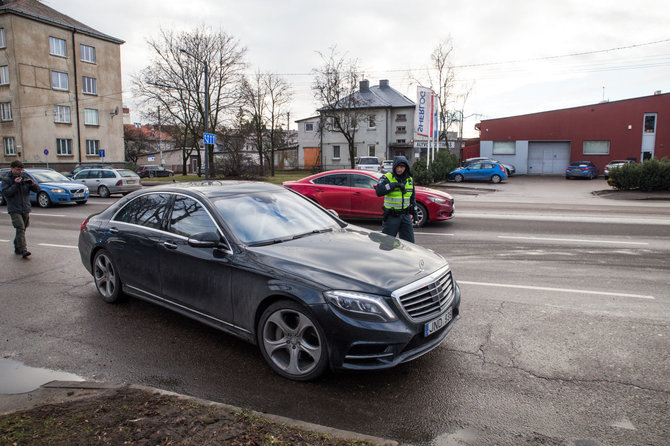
(60, 392)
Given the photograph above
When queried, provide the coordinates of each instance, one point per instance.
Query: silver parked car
(105, 182)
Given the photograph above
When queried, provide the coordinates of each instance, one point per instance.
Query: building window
(4, 75)
(401, 141)
(504, 147)
(371, 150)
(3, 42)
(6, 111)
(309, 126)
(92, 147)
(401, 129)
(371, 122)
(91, 116)
(401, 117)
(62, 114)
(63, 147)
(336, 152)
(57, 47)
(90, 85)
(650, 123)
(8, 144)
(59, 81)
(596, 147)
(87, 53)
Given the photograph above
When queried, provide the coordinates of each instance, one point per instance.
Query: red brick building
(545, 142)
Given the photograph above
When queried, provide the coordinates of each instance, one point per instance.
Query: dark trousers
(399, 225)
(20, 223)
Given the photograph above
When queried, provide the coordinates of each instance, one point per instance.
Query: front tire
(292, 341)
(495, 179)
(43, 200)
(106, 277)
(103, 191)
(422, 213)
(458, 178)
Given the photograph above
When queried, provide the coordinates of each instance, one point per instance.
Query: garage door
(548, 158)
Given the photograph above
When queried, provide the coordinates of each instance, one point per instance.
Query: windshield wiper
(316, 231)
(269, 242)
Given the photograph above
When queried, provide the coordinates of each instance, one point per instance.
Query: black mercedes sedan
(265, 264)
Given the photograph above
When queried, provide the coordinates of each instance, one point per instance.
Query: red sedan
(352, 194)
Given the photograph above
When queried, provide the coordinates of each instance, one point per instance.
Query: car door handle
(114, 230)
(170, 245)
(356, 193)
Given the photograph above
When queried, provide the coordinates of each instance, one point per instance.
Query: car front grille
(77, 191)
(428, 297)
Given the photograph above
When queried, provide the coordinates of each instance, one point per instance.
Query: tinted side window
(108, 174)
(189, 217)
(147, 210)
(364, 182)
(336, 179)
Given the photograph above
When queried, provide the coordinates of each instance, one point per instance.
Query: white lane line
(433, 233)
(651, 220)
(571, 240)
(559, 290)
(57, 246)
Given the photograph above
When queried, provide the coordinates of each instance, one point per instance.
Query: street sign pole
(46, 155)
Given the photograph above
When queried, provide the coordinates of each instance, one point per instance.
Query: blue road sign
(46, 151)
(208, 138)
(102, 153)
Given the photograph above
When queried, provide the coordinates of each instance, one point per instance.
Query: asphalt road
(563, 340)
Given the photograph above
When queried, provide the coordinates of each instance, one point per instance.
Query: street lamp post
(206, 128)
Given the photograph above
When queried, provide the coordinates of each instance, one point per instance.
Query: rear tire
(106, 277)
(103, 191)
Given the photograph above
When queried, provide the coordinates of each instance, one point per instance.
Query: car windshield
(264, 218)
(45, 176)
(369, 161)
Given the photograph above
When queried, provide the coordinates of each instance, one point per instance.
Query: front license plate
(437, 323)
(79, 195)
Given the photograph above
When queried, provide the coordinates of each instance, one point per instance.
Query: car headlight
(58, 191)
(361, 305)
(437, 200)
(85, 189)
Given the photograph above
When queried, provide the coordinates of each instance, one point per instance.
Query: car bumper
(67, 197)
(439, 212)
(579, 174)
(365, 345)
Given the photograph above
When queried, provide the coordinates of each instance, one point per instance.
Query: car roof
(218, 188)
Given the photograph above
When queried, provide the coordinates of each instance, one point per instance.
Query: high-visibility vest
(396, 199)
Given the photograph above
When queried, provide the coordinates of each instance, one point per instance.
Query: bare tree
(335, 87)
(254, 93)
(279, 97)
(175, 80)
(135, 143)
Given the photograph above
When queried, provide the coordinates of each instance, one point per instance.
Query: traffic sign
(102, 153)
(208, 138)
(46, 151)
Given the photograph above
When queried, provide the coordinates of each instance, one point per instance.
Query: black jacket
(382, 190)
(17, 195)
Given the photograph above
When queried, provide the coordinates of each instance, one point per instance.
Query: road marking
(650, 220)
(571, 240)
(57, 246)
(433, 233)
(559, 290)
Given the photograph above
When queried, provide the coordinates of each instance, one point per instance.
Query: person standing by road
(16, 187)
(397, 188)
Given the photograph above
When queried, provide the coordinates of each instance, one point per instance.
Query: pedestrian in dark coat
(16, 187)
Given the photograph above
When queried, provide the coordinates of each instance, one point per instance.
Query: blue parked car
(479, 171)
(581, 169)
(55, 188)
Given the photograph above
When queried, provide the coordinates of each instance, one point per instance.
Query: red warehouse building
(544, 143)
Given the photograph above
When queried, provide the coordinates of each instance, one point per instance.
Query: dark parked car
(265, 264)
(581, 169)
(154, 171)
(351, 193)
(479, 171)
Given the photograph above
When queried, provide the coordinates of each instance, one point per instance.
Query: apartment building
(60, 89)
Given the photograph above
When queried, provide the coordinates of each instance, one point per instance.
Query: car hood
(352, 259)
(63, 185)
(430, 191)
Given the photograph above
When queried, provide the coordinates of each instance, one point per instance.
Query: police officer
(397, 188)
(16, 187)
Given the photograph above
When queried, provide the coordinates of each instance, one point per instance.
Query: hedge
(650, 175)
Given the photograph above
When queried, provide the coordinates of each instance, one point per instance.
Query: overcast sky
(518, 56)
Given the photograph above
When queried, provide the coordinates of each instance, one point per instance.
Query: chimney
(384, 83)
(365, 86)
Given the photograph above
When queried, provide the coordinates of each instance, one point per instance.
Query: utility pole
(206, 111)
(160, 136)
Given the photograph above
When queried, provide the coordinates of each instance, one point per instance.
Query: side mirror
(333, 212)
(205, 240)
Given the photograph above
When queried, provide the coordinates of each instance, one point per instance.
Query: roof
(378, 96)
(36, 10)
